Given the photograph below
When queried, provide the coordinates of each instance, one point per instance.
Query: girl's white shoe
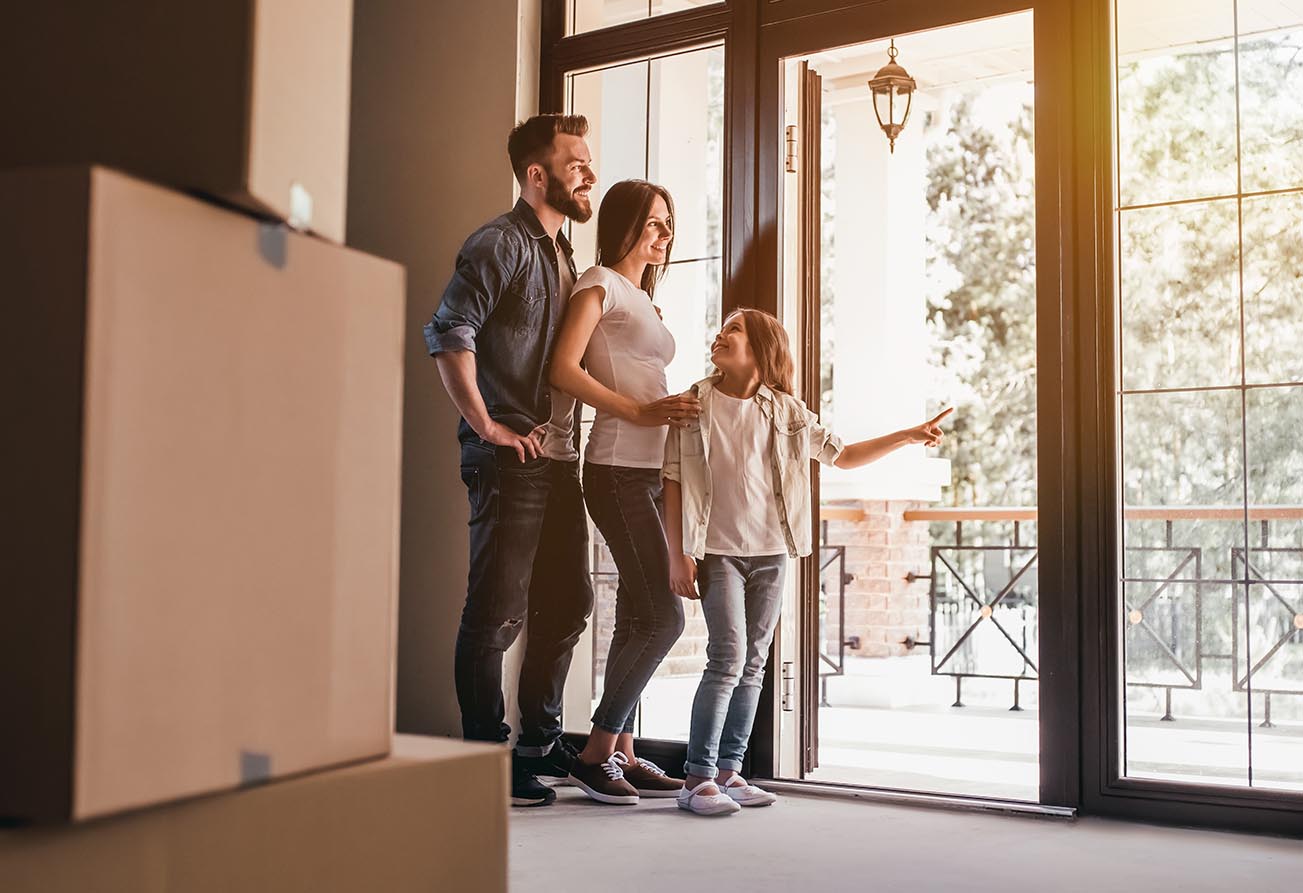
(717, 803)
(745, 794)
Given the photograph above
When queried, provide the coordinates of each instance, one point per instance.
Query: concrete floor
(818, 844)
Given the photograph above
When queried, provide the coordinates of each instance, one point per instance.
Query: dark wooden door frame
(1078, 500)
(809, 173)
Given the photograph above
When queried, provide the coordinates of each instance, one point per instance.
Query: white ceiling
(1001, 47)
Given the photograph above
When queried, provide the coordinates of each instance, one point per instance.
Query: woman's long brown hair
(620, 223)
(769, 345)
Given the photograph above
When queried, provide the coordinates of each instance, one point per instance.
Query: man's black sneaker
(557, 763)
(526, 790)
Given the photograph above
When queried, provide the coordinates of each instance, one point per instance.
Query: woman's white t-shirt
(627, 353)
(743, 512)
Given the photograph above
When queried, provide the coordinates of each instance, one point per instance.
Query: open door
(909, 285)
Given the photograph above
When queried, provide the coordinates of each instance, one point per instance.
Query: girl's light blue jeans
(741, 599)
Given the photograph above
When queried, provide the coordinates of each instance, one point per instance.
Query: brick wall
(882, 609)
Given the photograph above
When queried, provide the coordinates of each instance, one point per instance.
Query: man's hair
(620, 224)
(769, 345)
(530, 141)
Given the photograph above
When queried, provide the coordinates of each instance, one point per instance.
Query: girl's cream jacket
(797, 438)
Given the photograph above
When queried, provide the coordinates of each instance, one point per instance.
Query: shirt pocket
(690, 439)
(791, 438)
(524, 305)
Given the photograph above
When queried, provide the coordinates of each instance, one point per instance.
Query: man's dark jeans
(528, 557)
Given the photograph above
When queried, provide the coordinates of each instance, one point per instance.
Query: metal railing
(832, 604)
(1155, 619)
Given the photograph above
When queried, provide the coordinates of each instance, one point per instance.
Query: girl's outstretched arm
(865, 451)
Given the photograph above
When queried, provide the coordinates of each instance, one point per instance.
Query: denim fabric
(528, 558)
(626, 507)
(504, 304)
(797, 439)
(741, 599)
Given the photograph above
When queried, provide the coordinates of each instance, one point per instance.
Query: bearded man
(492, 337)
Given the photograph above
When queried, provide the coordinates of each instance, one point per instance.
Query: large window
(662, 120)
(1209, 205)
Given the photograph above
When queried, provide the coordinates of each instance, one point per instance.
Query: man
(492, 338)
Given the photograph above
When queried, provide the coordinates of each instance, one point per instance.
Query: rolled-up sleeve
(671, 470)
(824, 445)
(486, 265)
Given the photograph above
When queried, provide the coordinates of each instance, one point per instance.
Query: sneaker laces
(611, 766)
(651, 767)
(648, 765)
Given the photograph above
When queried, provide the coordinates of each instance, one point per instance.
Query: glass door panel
(1209, 211)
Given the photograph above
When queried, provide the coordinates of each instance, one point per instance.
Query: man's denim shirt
(502, 304)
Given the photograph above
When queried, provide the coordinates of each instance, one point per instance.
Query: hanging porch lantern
(893, 94)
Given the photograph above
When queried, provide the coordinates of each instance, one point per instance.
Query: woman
(612, 326)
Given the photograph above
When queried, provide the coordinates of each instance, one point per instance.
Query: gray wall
(436, 88)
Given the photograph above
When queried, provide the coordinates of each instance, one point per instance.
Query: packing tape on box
(255, 767)
(273, 244)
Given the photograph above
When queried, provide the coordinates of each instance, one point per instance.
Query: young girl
(737, 506)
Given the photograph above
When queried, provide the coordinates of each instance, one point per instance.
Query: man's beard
(565, 202)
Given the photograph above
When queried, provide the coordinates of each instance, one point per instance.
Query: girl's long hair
(620, 223)
(769, 345)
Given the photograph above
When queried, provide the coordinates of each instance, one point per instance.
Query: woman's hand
(929, 433)
(683, 576)
(676, 410)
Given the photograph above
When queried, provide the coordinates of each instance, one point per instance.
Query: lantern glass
(893, 95)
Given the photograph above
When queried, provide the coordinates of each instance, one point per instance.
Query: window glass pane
(652, 120)
(1271, 94)
(1176, 122)
(1182, 449)
(615, 102)
(689, 298)
(1183, 500)
(685, 156)
(1273, 287)
(1180, 296)
(590, 15)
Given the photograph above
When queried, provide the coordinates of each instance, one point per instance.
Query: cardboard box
(202, 438)
(431, 817)
(247, 101)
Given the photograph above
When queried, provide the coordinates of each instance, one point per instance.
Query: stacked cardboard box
(384, 825)
(204, 410)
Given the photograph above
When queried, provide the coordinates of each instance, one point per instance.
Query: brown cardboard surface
(247, 101)
(431, 817)
(233, 423)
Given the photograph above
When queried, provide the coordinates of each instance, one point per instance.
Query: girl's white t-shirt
(628, 353)
(743, 512)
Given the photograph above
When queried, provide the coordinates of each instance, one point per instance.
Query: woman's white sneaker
(717, 803)
(741, 792)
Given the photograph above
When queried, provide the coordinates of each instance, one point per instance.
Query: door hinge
(789, 683)
(793, 148)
